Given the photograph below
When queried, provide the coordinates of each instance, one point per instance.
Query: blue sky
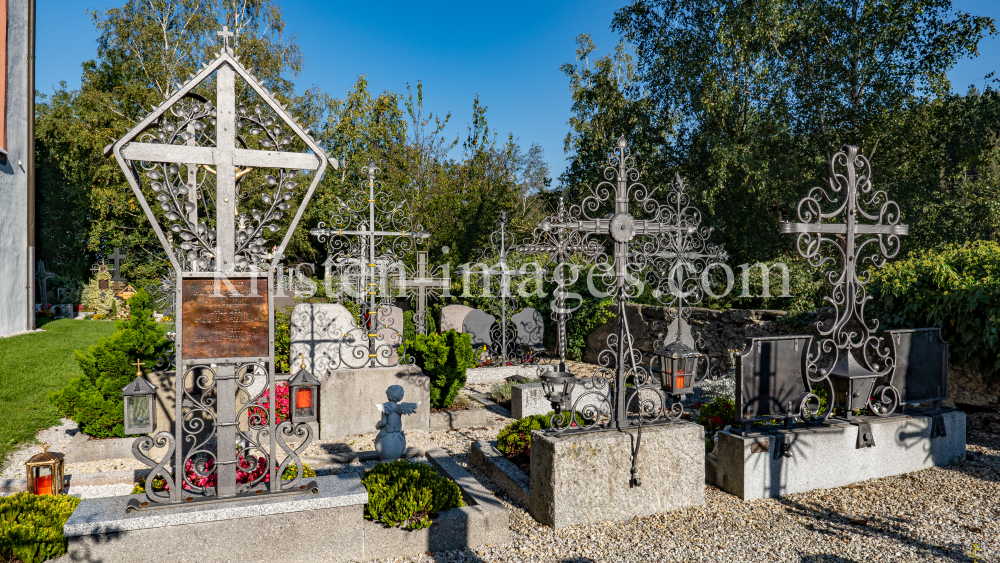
(508, 53)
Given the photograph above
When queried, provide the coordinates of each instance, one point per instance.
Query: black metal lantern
(140, 404)
(304, 395)
(678, 367)
(558, 387)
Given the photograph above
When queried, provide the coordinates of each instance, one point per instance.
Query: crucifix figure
(554, 238)
(118, 257)
(243, 129)
(371, 256)
(629, 257)
(426, 287)
(855, 356)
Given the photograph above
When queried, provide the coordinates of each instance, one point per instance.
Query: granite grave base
(584, 478)
(500, 373)
(779, 462)
(348, 398)
(324, 527)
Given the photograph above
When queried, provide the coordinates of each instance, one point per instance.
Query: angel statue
(391, 442)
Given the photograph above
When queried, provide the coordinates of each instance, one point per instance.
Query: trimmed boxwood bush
(94, 400)
(444, 357)
(956, 288)
(514, 440)
(31, 526)
(404, 493)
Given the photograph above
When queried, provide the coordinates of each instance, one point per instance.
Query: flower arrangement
(204, 476)
(258, 414)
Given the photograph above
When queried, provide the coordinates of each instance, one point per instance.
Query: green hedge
(956, 288)
(94, 400)
(406, 493)
(31, 526)
(444, 357)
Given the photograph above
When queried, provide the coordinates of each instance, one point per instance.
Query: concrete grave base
(584, 478)
(528, 399)
(324, 527)
(348, 398)
(824, 457)
(500, 373)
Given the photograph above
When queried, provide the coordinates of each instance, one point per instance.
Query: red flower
(717, 420)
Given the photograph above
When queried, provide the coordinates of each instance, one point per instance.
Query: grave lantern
(678, 367)
(558, 387)
(140, 406)
(45, 473)
(304, 395)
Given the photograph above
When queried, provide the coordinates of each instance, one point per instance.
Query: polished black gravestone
(530, 329)
(477, 324)
(771, 380)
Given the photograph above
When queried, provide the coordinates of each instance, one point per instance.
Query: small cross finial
(45, 447)
(302, 358)
(138, 367)
(225, 34)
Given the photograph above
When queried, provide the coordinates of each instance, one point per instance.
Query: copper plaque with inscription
(224, 318)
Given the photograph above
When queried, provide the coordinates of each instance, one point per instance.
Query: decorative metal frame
(606, 402)
(847, 350)
(371, 258)
(42, 276)
(214, 396)
(503, 304)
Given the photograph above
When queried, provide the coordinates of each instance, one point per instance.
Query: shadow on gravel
(837, 525)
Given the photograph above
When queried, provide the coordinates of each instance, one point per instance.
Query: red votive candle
(303, 398)
(43, 485)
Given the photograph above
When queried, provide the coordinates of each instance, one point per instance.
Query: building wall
(15, 305)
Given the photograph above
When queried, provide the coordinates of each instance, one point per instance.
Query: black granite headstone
(477, 325)
(770, 376)
(921, 371)
(530, 329)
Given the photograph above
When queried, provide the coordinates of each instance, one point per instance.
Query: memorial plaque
(921, 370)
(224, 318)
(102, 284)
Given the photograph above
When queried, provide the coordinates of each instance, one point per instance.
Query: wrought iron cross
(426, 286)
(849, 336)
(621, 227)
(373, 267)
(684, 253)
(561, 243)
(42, 276)
(501, 239)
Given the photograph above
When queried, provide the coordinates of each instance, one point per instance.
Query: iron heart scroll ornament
(849, 360)
(217, 175)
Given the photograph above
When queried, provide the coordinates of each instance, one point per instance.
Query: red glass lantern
(304, 394)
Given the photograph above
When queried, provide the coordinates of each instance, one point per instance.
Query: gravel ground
(939, 514)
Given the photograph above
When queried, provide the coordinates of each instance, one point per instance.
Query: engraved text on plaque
(225, 318)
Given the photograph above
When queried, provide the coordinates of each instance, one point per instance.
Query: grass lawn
(32, 366)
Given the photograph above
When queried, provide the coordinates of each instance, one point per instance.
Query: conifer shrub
(31, 526)
(94, 399)
(514, 440)
(405, 494)
(444, 357)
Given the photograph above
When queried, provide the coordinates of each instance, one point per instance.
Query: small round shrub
(404, 493)
(31, 526)
(514, 440)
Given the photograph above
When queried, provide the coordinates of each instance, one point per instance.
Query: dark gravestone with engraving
(530, 329)
(770, 377)
(103, 284)
(921, 370)
(477, 325)
(224, 318)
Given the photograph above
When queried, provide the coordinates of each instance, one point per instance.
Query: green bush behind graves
(403, 492)
(31, 526)
(514, 440)
(94, 399)
(444, 357)
(956, 288)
